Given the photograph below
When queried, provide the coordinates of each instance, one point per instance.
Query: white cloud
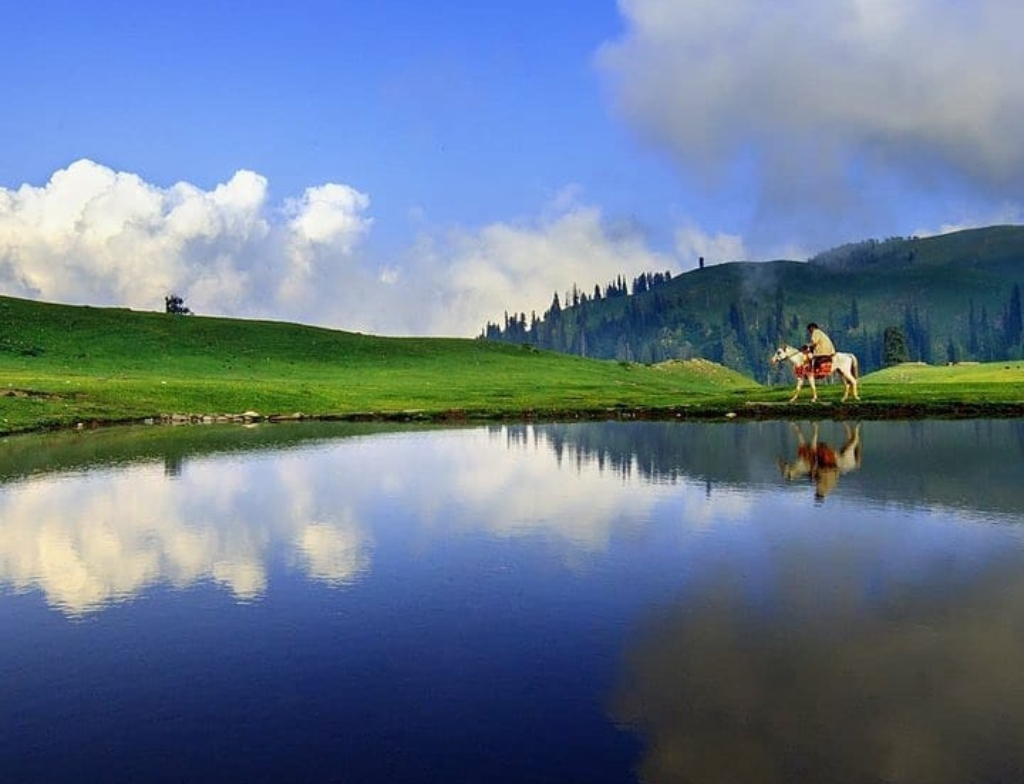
(694, 243)
(839, 112)
(92, 235)
(323, 228)
(330, 214)
(519, 267)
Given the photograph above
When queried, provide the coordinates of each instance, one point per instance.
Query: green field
(63, 366)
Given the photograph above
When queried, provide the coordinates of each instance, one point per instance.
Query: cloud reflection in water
(88, 539)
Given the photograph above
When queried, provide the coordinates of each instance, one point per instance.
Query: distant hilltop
(948, 298)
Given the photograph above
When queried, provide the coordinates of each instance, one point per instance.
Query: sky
(399, 167)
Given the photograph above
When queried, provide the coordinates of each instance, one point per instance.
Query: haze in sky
(404, 167)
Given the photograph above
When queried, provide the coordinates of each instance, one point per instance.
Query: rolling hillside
(63, 364)
(952, 297)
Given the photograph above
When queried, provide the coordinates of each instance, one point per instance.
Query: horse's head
(786, 352)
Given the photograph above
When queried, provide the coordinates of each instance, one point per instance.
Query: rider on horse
(819, 346)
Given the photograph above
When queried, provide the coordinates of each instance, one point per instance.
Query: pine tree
(1012, 324)
(556, 308)
(973, 346)
(985, 343)
(894, 346)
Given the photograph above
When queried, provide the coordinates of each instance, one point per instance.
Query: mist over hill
(948, 298)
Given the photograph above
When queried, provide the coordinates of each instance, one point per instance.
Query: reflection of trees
(173, 465)
(661, 451)
(521, 483)
(88, 546)
(32, 455)
(973, 464)
(970, 461)
(923, 686)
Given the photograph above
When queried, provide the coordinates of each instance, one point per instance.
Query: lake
(593, 602)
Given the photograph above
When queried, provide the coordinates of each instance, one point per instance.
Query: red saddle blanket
(823, 369)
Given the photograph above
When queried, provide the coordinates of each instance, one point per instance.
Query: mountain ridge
(952, 297)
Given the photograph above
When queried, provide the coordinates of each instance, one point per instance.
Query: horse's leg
(849, 384)
(851, 448)
(849, 371)
(814, 389)
(796, 394)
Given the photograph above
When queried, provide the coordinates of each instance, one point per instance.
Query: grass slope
(995, 383)
(61, 365)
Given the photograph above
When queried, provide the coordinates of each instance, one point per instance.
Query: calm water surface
(609, 602)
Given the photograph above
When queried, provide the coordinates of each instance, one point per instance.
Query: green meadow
(68, 366)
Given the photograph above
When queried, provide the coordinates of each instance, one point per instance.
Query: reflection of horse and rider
(819, 462)
(818, 359)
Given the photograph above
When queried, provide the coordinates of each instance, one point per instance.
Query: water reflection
(86, 540)
(816, 460)
(87, 536)
(825, 680)
(439, 605)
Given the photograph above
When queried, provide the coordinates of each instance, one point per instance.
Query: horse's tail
(854, 367)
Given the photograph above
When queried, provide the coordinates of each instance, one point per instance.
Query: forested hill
(954, 297)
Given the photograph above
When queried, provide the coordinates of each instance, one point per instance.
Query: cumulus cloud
(695, 243)
(92, 235)
(330, 214)
(838, 112)
(323, 226)
(519, 266)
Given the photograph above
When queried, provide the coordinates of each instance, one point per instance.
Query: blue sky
(401, 167)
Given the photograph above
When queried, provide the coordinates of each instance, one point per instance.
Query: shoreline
(692, 412)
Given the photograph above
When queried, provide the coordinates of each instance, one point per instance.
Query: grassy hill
(992, 247)
(61, 365)
(948, 293)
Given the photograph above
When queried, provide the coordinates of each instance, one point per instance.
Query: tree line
(644, 322)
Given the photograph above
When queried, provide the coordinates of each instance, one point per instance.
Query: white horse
(842, 363)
